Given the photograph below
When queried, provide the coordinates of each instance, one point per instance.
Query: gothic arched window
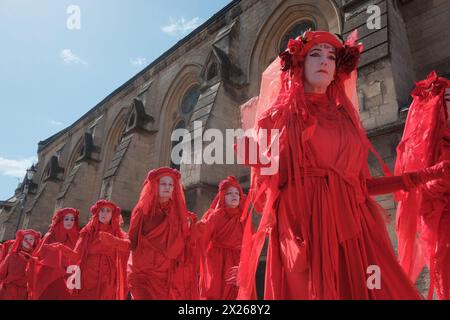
(295, 31)
(190, 100)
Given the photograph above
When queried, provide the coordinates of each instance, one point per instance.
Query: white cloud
(55, 123)
(15, 168)
(138, 61)
(71, 58)
(181, 26)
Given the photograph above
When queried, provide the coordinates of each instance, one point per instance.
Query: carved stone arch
(324, 13)
(188, 77)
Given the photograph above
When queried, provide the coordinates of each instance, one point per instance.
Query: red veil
(220, 244)
(50, 263)
(91, 232)
(281, 100)
(419, 149)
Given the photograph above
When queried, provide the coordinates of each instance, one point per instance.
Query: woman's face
(166, 187)
(69, 221)
(447, 104)
(105, 215)
(320, 67)
(28, 241)
(232, 197)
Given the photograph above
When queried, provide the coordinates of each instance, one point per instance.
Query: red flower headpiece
(431, 86)
(347, 54)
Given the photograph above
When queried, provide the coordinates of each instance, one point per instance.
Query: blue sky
(51, 75)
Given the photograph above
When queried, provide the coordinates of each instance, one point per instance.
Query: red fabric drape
(159, 235)
(102, 250)
(325, 230)
(422, 212)
(13, 276)
(221, 243)
(48, 270)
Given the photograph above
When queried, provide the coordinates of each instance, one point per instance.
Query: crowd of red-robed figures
(166, 255)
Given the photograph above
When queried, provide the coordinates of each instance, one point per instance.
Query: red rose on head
(295, 46)
(347, 59)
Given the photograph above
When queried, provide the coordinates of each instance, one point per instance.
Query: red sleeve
(385, 185)
(120, 244)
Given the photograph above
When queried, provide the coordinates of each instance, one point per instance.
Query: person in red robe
(425, 211)
(328, 239)
(221, 241)
(103, 249)
(13, 276)
(159, 233)
(49, 271)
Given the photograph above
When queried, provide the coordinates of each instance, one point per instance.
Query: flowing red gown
(436, 220)
(49, 271)
(326, 232)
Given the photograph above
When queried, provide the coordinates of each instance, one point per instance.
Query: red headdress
(149, 201)
(419, 149)
(280, 104)
(20, 235)
(57, 232)
(219, 200)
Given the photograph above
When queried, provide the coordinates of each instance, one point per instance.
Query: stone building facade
(206, 77)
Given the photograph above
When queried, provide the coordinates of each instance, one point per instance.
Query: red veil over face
(420, 148)
(115, 251)
(159, 236)
(48, 272)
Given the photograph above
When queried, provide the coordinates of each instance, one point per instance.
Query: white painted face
(105, 215)
(447, 104)
(166, 187)
(69, 221)
(28, 241)
(320, 67)
(232, 197)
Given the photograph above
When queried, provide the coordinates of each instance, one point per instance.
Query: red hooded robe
(221, 242)
(13, 276)
(103, 250)
(159, 236)
(49, 270)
